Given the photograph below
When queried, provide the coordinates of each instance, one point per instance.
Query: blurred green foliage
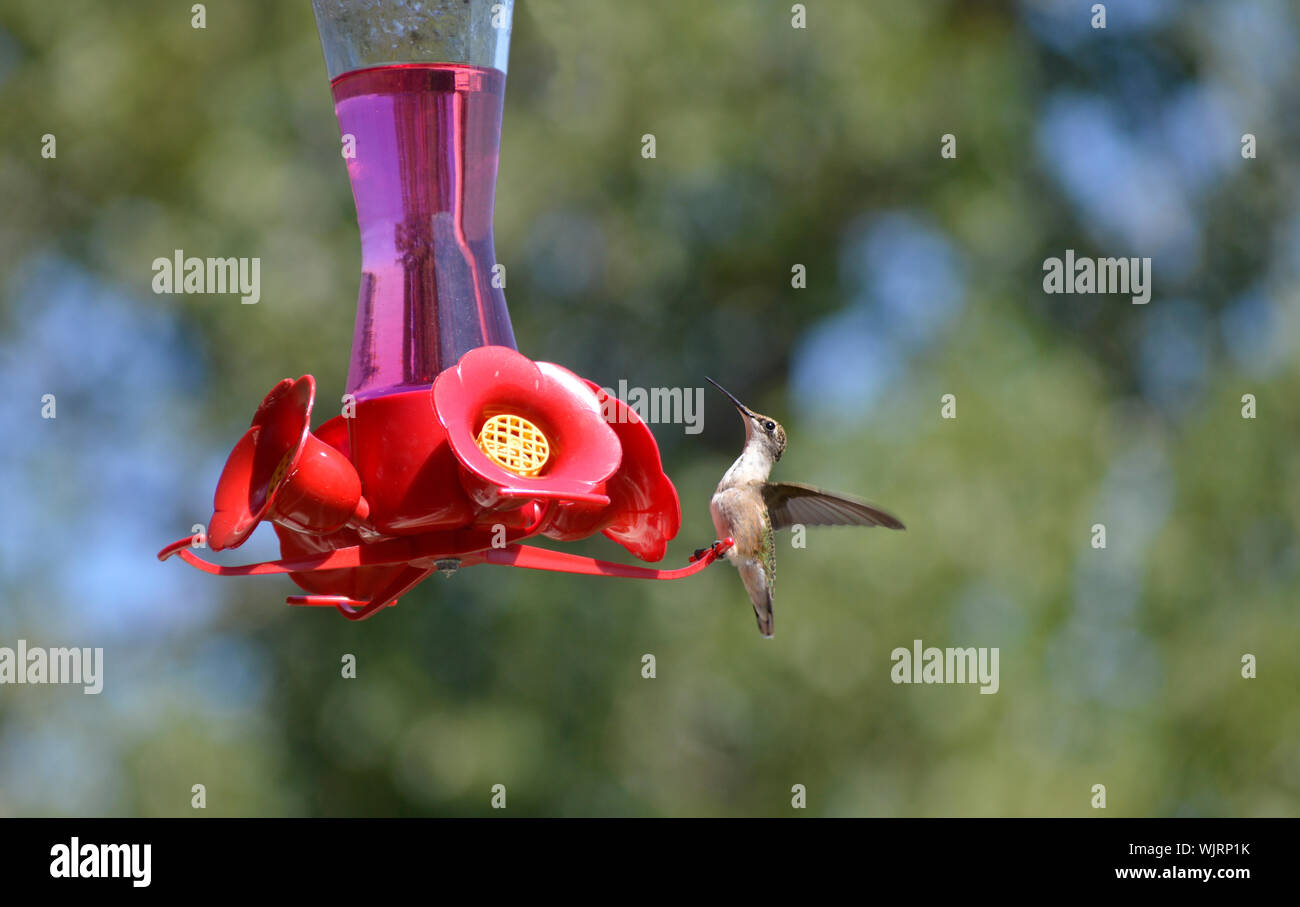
(772, 144)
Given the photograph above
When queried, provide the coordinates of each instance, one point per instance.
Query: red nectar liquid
(426, 139)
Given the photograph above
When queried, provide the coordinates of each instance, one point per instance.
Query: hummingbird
(749, 509)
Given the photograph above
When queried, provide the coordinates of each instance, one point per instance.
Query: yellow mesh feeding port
(282, 467)
(514, 443)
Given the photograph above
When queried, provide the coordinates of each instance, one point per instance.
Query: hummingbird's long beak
(740, 406)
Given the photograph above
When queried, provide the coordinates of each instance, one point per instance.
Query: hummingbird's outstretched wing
(791, 502)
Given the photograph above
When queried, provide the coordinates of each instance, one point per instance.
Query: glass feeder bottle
(418, 91)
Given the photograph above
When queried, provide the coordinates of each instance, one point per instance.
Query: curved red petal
(644, 511)
(491, 380)
(259, 461)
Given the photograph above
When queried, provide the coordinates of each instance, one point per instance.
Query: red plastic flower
(355, 583)
(280, 470)
(599, 475)
(497, 381)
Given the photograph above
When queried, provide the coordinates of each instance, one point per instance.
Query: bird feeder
(455, 447)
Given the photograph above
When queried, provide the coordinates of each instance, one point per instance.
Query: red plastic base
(422, 555)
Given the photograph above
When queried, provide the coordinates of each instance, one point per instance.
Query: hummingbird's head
(762, 430)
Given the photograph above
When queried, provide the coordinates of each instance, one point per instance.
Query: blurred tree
(776, 146)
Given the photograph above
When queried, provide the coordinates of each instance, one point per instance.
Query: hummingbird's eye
(769, 425)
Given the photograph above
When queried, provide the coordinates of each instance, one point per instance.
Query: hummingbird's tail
(759, 586)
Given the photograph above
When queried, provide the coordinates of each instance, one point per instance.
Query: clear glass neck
(357, 34)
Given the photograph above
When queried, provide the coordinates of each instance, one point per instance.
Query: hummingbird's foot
(700, 552)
